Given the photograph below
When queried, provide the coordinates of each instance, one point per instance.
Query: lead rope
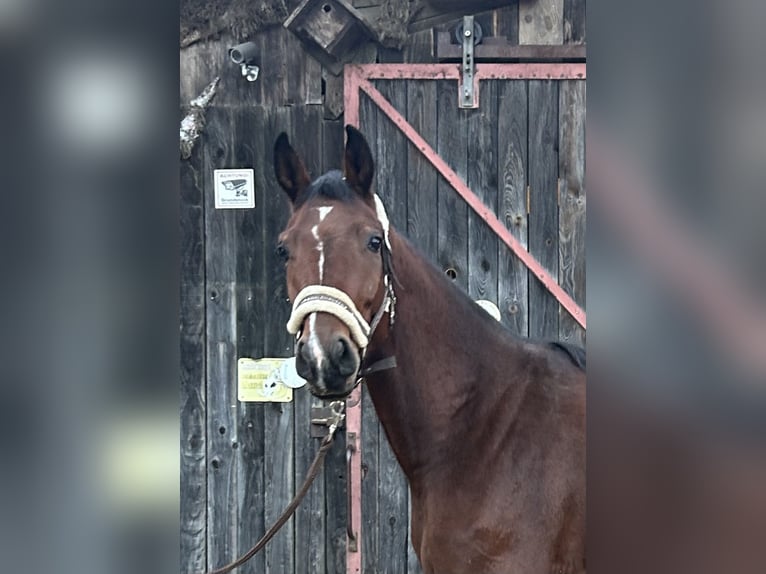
(338, 414)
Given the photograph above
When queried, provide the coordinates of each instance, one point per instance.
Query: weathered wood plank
(390, 55)
(572, 203)
(304, 73)
(279, 472)
(313, 81)
(486, 20)
(502, 49)
(391, 155)
(574, 21)
(513, 292)
(197, 69)
(371, 435)
(220, 265)
(251, 317)
(482, 180)
(421, 216)
(452, 209)
(371, 431)
(507, 22)
(223, 470)
(422, 177)
(279, 483)
(420, 47)
(333, 96)
(543, 204)
(335, 462)
(310, 515)
(297, 61)
(391, 23)
(276, 70)
(251, 483)
(193, 432)
(426, 14)
(541, 22)
(202, 62)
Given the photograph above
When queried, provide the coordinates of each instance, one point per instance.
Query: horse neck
(445, 353)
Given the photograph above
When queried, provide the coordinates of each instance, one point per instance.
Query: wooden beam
(500, 49)
(426, 14)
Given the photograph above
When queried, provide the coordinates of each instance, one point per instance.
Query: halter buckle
(391, 304)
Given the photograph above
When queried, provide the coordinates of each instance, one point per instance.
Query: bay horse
(488, 427)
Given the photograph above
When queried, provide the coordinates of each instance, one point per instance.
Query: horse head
(336, 252)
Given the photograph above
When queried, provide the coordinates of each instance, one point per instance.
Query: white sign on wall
(234, 188)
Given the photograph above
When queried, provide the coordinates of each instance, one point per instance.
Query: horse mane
(575, 354)
(330, 186)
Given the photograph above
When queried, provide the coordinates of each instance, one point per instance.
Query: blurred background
(89, 369)
(676, 251)
(676, 165)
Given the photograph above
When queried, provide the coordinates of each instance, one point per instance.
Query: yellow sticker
(259, 381)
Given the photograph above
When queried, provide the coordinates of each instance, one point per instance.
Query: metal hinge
(468, 97)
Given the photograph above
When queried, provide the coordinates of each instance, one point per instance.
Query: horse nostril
(343, 357)
(339, 349)
(302, 351)
(303, 363)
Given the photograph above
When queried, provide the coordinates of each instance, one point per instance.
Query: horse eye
(374, 243)
(283, 253)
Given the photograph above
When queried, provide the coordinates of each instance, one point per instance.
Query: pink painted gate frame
(357, 77)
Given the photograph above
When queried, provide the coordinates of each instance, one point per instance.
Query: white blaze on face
(323, 212)
(320, 248)
(314, 346)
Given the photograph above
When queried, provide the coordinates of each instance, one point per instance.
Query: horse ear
(289, 169)
(359, 167)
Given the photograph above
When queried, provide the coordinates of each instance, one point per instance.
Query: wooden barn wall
(241, 462)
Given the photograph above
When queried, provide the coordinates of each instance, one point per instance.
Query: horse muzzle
(329, 368)
(332, 337)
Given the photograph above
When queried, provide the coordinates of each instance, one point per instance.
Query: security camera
(244, 53)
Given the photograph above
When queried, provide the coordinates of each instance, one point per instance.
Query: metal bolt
(467, 33)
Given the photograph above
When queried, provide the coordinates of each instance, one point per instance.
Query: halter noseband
(326, 299)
